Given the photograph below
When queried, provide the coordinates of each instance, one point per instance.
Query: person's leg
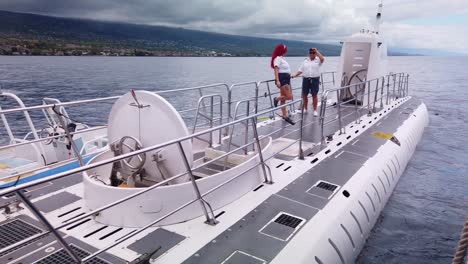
(283, 96)
(315, 90)
(315, 101)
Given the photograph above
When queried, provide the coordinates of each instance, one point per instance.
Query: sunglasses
(312, 52)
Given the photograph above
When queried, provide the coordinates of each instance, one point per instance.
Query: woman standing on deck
(282, 78)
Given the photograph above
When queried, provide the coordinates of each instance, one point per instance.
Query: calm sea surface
(422, 220)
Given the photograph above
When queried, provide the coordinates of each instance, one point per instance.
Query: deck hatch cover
(16, 231)
(327, 186)
(288, 220)
(62, 257)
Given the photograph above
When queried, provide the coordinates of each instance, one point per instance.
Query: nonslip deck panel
(245, 236)
(46, 188)
(56, 201)
(156, 243)
(241, 242)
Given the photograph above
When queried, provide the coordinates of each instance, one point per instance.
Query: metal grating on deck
(327, 186)
(288, 220)
(16, 231)
(62, 257)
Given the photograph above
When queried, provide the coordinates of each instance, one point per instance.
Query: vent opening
(287, 168)
(327, 186)
(110, 234)
(219, 214)
(288, 220)
(69, 212)
(280, 165)
(258, 187)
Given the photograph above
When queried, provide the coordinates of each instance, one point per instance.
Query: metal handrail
(18, 189)
(367, 86)
(143, 150)
(211, 117)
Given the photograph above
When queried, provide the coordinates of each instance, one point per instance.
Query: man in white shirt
(310, 70)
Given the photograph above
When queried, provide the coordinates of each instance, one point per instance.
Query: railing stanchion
(375, 96)
(50, 228)
(338, 104)
(211, 119)
(407, 85)
(356, 108)
(323, 107)
(394, 84)
(246, 136)
(210, 220)
(369, 113)
(321, 81)
(388, 88)
(268, 180)
(301, 151)
(382, 92)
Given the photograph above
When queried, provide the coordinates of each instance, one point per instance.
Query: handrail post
(211, 119)
(246, 136)
(209, 220)
(229, 105)
(407, 85)
(301, 151)
(323, 107)
(356, 109)
(382, 92)
(394, 84)
(376, 94)
(388, 88)
(333, 76)
(321, 81)
(260, 154)
(400, 81)
(338, 104)
(220, 118)
(256, 97)
(69, 136)
(44, 221)
(369, 113)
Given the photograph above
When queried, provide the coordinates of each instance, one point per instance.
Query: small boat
(230, 183)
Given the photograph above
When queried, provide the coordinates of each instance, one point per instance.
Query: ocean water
(422, 220)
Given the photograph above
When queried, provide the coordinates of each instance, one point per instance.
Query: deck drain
(323, 189)
(288, 220)
(282, 226)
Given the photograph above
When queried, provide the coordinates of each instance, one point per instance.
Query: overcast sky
(427, 24)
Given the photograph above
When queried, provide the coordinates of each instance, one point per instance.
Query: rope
(462, 245)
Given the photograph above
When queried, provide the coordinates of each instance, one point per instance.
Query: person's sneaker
(305, 111)
(289, 120)
(315, 113)
(275, 102)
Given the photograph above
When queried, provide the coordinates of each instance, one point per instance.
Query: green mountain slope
(38, 32)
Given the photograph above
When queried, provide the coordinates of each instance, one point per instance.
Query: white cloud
(309, 20)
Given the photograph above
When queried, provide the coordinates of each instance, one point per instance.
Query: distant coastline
(24, 34)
